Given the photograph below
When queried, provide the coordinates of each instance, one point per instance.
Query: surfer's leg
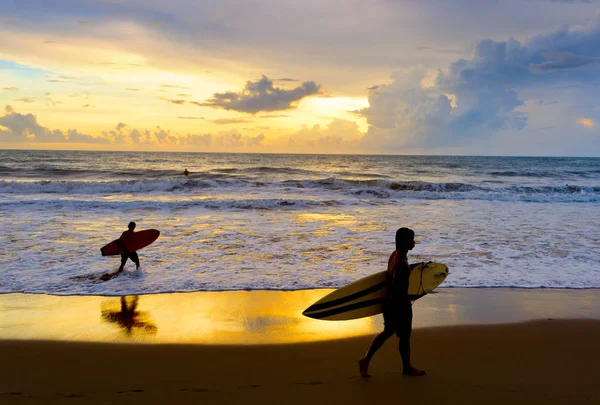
(134, 258)
(404, 332)
(123, 260)
(388, 331)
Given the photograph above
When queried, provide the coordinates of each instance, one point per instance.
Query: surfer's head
(131, 226)
(405, 239)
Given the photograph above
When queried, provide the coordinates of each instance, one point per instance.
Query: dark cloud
(556, 61)
(287, 79)
(261, 95)
(274, 116)
(225, 121)
(173, 101)
(25, 128)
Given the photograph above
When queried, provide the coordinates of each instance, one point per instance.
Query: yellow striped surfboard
(365, 297)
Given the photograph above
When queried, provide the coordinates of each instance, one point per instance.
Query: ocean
(289, 222)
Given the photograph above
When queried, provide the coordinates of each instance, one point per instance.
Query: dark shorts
(133, 256)
(398, 319)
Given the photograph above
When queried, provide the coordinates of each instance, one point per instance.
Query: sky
(467, 77)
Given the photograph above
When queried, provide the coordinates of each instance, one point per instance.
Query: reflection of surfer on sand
(128, 318)
(397, 308)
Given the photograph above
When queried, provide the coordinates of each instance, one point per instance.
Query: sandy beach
(548, 360)
(542, 362)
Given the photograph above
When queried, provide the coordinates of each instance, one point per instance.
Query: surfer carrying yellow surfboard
(397, 308)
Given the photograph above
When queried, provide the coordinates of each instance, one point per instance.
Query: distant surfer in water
(127, 255)
(185, 172)
(397, 308)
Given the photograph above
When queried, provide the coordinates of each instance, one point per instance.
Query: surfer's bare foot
(413, 372)
(363, 367)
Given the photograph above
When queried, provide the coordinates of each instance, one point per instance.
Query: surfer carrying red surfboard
(127, 255)
(397, 308)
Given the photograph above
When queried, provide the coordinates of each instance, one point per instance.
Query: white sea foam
(296, 222)
(485, 245)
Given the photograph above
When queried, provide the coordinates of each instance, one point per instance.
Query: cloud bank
(477, 97)
(15, 127)
(338, 136)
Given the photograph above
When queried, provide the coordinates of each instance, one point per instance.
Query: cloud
(122, 134)
(25, 128)
(173, 86)
(261, 95)
(26, 100)
(556, 61)
(256, 141)
(191, 118)
(587, 122)
(226, 121)
(474, 98)
(173, 101)
(12, 88)
(88, 106)
(343, 135)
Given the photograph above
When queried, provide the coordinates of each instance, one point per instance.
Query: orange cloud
(587, 122)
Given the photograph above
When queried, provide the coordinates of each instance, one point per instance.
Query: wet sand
(540, 361)
(264, 317)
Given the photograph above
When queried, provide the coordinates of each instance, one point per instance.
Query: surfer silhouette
(186, 172)
(397, 307)
(127, 255)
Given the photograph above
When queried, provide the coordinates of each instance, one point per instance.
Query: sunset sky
(329, 76)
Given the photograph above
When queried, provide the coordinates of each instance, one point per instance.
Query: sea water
(288, 222)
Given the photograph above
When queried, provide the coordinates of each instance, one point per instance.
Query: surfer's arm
(121, 243)
(399, 285)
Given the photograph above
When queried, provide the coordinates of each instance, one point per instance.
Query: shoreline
(265, 316)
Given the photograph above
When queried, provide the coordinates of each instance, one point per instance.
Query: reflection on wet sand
(263, 317)
(128, 318)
